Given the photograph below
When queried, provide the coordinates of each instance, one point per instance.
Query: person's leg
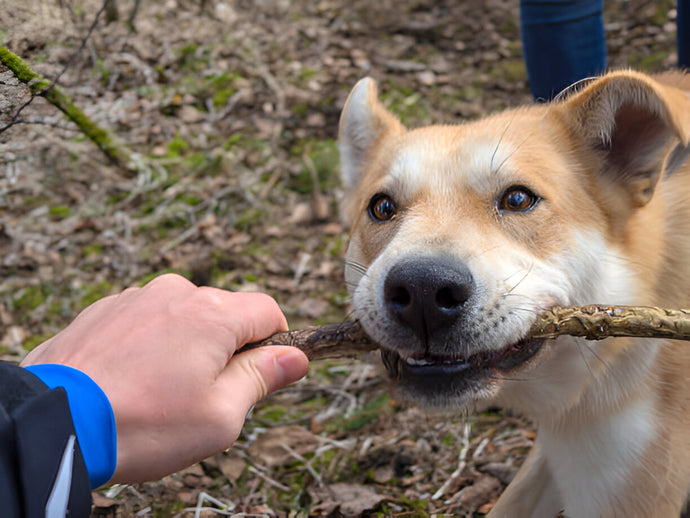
(563, 41)
(683, 33)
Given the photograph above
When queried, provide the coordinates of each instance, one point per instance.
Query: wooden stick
(348, 339)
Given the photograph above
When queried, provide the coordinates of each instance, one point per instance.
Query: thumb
(252, 375)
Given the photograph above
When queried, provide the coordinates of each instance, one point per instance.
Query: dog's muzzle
(432, 345)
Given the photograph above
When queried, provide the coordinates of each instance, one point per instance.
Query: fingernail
(291, 365)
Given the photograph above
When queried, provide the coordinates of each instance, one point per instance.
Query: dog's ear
(363, 123)
(641, 127)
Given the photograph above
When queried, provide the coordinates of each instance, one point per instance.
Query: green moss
(272, 413)
(300, 110)
(58, 98)
(150, 276)
(96, 292)
(33, 341)
(323, 154)
(647, 62)
(188, 198)
(511, 70)
(232, 141)
(195, 161)
(103, 71)
(188, 55)
(248, 218)
(177, 146)
(31, 297)
(59, 308)
(369, 414)
(221, 97)
(340, 298)
(92, 250)
(167, 510)
(514, 70)
(508, 28)
(59, 212)
(411, 107)
(660, 15)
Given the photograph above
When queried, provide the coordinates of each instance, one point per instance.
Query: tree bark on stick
(56, 96)
(593, 322)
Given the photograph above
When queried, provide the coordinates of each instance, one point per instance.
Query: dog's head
(462, 235)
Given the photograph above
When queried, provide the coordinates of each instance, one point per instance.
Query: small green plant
(59, 212)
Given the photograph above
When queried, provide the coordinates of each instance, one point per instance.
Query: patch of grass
(300, 110)
(249, 218)
(190, 57)
(411, 107)
(216, 87)
(168, 510)
(33, 341)
(92, 250)
(177, 146)
(96, 292)
(647, 62)
(60, 307)
(323, 154)
(31, 297)
(232, 141)
(340, 298)
(59, 212)
(103, 71)
(152, 275)
(660, 15)
(360, 419)
(511, 70)
(272, 413)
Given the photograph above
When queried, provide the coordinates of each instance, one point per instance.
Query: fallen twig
(592, 322)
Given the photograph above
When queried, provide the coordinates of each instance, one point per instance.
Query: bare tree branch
(15, 118)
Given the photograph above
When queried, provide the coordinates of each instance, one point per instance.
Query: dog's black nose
(427, 295)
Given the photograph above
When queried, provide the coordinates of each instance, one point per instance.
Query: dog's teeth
(414, 362)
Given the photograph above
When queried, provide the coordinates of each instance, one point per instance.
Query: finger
(252, 375)
(250, 317)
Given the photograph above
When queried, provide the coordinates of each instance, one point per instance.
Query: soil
(232, 108)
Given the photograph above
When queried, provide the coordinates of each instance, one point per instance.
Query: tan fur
(610, 227)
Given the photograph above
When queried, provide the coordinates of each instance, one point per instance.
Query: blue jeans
(563, 41)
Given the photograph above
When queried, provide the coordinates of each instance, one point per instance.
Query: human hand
(163, 354)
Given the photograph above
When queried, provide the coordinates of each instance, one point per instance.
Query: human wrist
(92, 415)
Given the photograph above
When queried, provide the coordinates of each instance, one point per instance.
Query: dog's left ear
(364, 122)
(641, 127)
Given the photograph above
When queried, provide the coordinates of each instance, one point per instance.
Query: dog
(461, 235)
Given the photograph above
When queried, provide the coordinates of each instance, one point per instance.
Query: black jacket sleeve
(42, 472)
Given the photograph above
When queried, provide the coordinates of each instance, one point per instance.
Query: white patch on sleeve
(56, 507)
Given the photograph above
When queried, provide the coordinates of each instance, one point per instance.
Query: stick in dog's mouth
(593, 322)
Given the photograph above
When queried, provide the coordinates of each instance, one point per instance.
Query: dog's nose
(427, 295)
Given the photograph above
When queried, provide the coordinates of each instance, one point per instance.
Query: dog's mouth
(439, 367)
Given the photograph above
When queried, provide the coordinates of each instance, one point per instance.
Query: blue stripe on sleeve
(92, 415)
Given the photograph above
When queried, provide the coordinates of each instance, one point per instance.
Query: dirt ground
(232, 107)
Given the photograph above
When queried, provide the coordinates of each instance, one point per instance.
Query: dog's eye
(381, 208)
(518, 199)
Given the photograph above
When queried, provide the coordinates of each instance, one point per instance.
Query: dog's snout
(427, 295)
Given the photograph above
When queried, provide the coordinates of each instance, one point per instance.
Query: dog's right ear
(363, 123)
(639, 127)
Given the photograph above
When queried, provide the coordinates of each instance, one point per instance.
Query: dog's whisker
(498, 145)
(529, 270)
